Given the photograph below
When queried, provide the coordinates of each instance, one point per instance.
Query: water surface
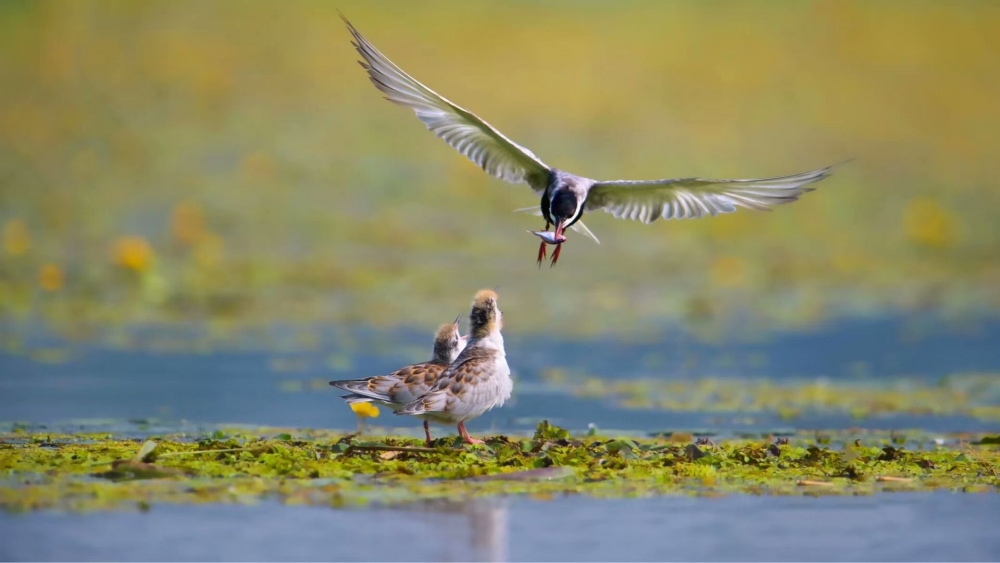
(160, 385)
(888, 527)
(272, 379)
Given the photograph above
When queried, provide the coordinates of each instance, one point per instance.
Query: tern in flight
(566, 196)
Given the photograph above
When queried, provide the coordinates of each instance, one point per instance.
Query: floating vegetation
(92, 472)
(973, 395)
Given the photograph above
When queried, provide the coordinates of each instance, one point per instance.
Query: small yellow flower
(50, 277)
(16, 239)
(365, 410)
(133, 253)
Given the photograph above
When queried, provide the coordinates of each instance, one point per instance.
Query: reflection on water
(888, 527)
(480, 535)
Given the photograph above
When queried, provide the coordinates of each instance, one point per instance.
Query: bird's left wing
(488, 148)
(688, 198)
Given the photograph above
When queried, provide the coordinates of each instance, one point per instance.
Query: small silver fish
(549, 237)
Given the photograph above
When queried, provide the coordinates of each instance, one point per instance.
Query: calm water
(245, 384)
(887, 527)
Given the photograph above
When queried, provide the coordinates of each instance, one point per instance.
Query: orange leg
(555, 255)
(541, 248)
(465, 435)
(427, 432)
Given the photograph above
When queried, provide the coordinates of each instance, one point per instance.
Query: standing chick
(408, 383)
(478, 380)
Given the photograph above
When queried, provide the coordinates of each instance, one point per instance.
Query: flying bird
(408, 383)
(565, 197)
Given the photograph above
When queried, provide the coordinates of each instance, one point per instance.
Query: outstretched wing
(689, 198)
(497, 155)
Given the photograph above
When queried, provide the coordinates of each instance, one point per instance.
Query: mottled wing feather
(414, 382)
(477, 140)
(461, 379)
(401, 386)
(688, 198)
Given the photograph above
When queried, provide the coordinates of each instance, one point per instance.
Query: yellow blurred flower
(927, 223)
(187, 223)
(50, 277)
(729, 271)
(16, 240)
(365, 410)
(134, 253)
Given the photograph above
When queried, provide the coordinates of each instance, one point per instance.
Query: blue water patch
(271, 378)
(888, 527)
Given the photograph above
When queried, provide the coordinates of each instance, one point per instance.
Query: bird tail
(354, 398)
(434, 401)
(578, 226)
(534, 210)
(359, 389)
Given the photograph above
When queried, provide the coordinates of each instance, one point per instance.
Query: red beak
(560, 227)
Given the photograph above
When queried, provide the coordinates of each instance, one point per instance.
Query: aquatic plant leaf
(546, 432)
(146, 452)
(623, 447)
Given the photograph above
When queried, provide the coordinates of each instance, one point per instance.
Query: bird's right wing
(489, 149)
(688, 198)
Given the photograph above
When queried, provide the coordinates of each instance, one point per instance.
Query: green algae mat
(82, 472)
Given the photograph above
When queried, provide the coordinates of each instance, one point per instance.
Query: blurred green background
(230, 162)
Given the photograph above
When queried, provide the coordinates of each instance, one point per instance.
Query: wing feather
(399, 387)
(689, 198)
(477, 140)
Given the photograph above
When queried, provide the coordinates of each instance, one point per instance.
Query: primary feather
(477, 140)
(689, 198)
